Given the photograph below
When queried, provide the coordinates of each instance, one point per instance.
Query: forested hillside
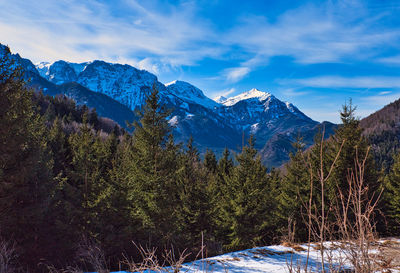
(70, 180)
(383, 130)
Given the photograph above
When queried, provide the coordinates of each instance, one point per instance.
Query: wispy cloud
(345, 82)
(392, 60)
(381, 99)
(82, 30)
(293, 92)
(162, 36)
(335, 31)
(236, 74)
(224, 93)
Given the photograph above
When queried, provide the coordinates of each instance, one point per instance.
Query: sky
(314, 54)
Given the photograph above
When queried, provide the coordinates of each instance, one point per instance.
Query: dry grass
(387, 257)
(294, 246)
(267, 252)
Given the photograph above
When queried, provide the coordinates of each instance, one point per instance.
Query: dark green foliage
(392, 196)
(304, 169)
(195, 210)
(25, 165)
(293, 195)
(354, 146)
(152, 177)
(68, 174)
(247, 201)
(382, 130)
(210, 161)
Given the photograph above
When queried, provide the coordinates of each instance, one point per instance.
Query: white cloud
(293, 92)
(236, 74)
(345, 82)
(83, 30)
(327, 32)
(224, 93)
(149, 65)
(166, 36)
(381, 99)
(393, 60)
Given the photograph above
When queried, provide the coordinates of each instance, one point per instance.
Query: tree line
(68, 177)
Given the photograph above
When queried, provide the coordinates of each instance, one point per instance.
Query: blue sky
(315, 54)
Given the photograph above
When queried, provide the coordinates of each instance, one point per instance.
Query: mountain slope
(105, 106)
(383, 130)
(116, 90)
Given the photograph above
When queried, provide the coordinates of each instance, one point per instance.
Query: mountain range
(117, 90)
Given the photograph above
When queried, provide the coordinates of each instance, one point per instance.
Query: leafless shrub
(149, 260)
(319, 229)
(171, 263)
(353, 226)
(69, 269)
(354, 214)
(90, 253)
(8, 257)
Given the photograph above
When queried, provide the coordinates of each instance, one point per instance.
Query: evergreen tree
(348, 137)
(294, 191)
(152, 180)
(210, 161)
(194, 212)
(392, 197)
(247, 211)
(25, 166)
(220, 198)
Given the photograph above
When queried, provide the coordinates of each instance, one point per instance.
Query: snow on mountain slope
(190, 93)
(61, 72)
(220, 99)
(213, 124)
(43, 68)
(253, 93)
(257, 107)
(123, 83)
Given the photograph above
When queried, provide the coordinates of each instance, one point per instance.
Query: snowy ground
(280, 258)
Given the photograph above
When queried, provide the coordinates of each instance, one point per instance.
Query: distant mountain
(383, 130)
(116, 90)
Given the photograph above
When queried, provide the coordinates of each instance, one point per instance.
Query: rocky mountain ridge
(213, 125)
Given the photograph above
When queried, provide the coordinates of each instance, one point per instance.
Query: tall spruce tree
(152, 180)
(194, 210)
(355, 145)
(248, 206)
(220, 198)
(294, 190)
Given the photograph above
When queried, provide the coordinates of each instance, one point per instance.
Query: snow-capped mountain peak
(43, 68)
(220, 99)
(190, 93)
(185, 89)
(253, 93)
